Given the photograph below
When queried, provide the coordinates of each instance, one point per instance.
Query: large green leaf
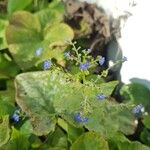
(24, 37)
(90, 141)
(14, 5)
(35, 94)
(42, 95)
(4, 130)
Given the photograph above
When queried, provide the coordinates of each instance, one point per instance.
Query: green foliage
(72, 132)
(4, 130)
(145, 136)
(47, 95)
(56, 141)
(137, 94)
(146, 121)
(69, 105)
(47, 32)
(18, 141)
(132, 146)
(14, 5)
(3, 24)
(90, 140)
(12, 68)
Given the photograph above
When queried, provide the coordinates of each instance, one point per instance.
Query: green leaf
(120, 142)
(146, 121)
(108, 118)
(6, 108)
(8, 95)
(3, 24)
(114, 139)
(18, 141)
(36, 99)
(90, 140)
(53, 14)
(4, 130)
(14, 5)
(24, 37)
(132, 146)
(58, 140)
(138, 94)
(35, 141)
(145, 137)
(8, 69)
(72, 132)
(26, 128)
(7, 100)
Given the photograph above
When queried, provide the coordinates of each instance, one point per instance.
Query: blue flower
(84, 66)
(102, 61)
(101, 96)
(124, 58)
(138, 109)
(67, 54)
(80, 118)
(16, 116)
(47, 64)
(38, 51)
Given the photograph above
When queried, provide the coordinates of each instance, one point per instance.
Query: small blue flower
(67, 54)
(124, 58)
(102, 61)
(47, 64)
(38, 51)
(101, 96)
(16, 116)
(137, 109)
(84, 66)
(80, 118)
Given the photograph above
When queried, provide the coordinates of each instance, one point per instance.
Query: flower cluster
(79, 118)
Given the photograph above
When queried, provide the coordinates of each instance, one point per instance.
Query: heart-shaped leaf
(24, 38)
